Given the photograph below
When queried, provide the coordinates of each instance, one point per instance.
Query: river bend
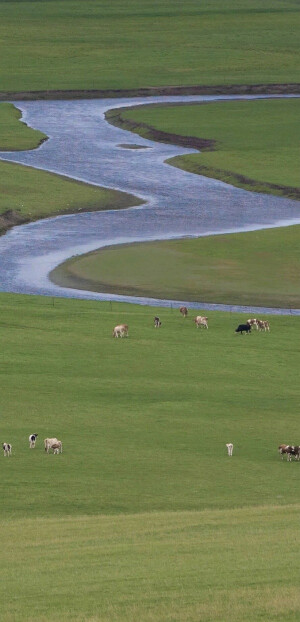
(82, 145)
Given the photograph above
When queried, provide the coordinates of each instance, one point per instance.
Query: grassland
(29, 194)
(251, 144)
(143, 516)
(257, 268)
(49, 45)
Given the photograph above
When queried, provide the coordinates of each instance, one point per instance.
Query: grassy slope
(35, 194)
(258, 140)
(99, 44)
(144, 430)
(259, 268)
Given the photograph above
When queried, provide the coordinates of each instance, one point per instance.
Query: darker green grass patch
(259, 268)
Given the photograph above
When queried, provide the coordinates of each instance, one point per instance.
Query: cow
(157, 322)
(243, 328)
(253, 322)
(229, 448)
(286, 450)
(263, 325)
(48, 442)
(183, 311)
(7, 447)
(120, 331)
(57, 447)
(201, 321)
(32, 440)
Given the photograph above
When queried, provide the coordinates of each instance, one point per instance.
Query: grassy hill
(143, 515)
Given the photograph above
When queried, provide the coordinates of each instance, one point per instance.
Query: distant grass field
(35, 194)
(101, 44)
(143, 516)
(257, 140)
(259, 268)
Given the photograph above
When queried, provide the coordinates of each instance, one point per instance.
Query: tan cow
(201, 321)
(120, 331)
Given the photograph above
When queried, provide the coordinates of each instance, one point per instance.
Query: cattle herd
(49, 444)
(121, 330)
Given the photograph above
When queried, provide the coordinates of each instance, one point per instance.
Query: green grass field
(143, 516)
(35, 194)
(256, 268)
(254, 139)
(96, 44)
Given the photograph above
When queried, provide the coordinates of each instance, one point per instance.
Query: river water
(82, 145)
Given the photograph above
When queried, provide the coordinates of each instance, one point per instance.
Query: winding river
(82, 145)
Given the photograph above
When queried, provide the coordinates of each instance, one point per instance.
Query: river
(82, 145)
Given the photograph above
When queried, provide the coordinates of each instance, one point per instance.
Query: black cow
(157, 322)
(243, 328)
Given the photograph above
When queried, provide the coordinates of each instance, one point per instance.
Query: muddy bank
(230, 89)
(11, 218)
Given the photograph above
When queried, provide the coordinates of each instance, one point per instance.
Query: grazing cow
(183, 311)
(7, 447)
(48, 442)
(201, 321)
(32, 440)
(229, 448)
(57, 447)
(263, 325)
(243, 328)
(157, 322)
(253, 322)
(120, 331)
(286, 450)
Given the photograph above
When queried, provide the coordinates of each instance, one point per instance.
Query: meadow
(29, 194)
(255, 268)
(98, 44)
(143, 516)
(254, 144)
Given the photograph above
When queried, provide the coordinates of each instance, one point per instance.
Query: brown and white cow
(286, 450)
(201, 321)
(120, 331)
(263, 325)
(183, 311)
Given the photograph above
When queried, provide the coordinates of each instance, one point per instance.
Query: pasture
(98, 44)
(143, 515)
(255, 268)
(254, 143)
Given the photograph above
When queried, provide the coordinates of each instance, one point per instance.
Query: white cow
(48, 442)
(201, 321)
(7, 447)
(120, 331)
(229, 448)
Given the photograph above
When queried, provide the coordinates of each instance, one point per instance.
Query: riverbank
(253, 145)
(200, 89)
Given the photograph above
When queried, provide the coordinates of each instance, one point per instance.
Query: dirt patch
(230, 89)
(11, 218)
